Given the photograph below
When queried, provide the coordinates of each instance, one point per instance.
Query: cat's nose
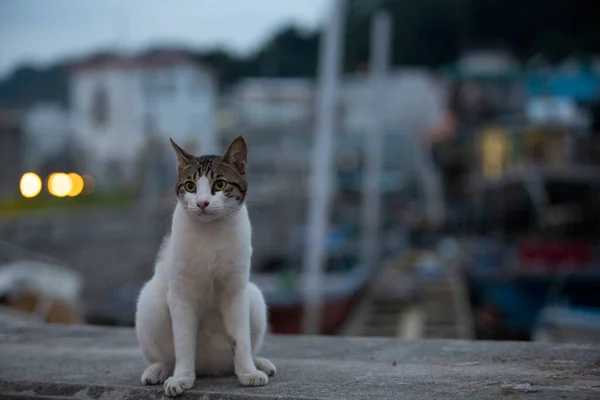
(202, 204)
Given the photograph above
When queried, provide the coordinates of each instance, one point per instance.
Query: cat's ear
(183, 157)
(236, 155)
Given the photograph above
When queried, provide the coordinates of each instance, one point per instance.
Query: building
(413, 99)
(265, 102)
(486, 84)
(47, 134)
(564, 94)
(414, 102)
(11, 153)
(121, 104)
(276, 118)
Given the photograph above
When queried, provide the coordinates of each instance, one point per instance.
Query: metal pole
(321, 179)
(371, 185)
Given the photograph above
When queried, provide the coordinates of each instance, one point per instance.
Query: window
(99, 108)
(198, 85)
(158, 82)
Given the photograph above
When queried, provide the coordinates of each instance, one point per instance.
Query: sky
(43, 31)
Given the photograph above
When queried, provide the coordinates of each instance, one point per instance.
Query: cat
(199, 315)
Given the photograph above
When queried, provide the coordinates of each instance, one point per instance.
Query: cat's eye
(219, 185)
(190, 186)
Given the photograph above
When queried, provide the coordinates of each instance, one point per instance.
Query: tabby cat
(199, 314)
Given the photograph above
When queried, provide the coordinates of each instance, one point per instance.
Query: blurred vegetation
(428, 33)
(47, 202)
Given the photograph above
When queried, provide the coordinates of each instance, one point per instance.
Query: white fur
(199, 314)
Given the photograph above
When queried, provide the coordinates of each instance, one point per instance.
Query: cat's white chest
(209, 251)
(201, 254)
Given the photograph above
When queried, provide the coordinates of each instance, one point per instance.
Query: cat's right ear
(183, 157)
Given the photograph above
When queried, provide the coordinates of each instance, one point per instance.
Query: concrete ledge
(65, 362)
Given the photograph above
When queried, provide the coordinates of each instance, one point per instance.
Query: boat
(44, 290)
(537, 246)
(284, 298)
(567, 324)
(280, 277)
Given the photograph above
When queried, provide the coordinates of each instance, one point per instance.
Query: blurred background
(417, 168)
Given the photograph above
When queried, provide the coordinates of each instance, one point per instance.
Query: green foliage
(45, 202)
(27, 84)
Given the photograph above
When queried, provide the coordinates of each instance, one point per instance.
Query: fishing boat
(538, 247)
(44, 290)
(284, 297)
(567, 324)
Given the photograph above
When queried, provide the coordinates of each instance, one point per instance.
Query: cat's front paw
(256, 378)
(176, 385)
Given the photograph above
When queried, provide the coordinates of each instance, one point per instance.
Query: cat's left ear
(236, 155)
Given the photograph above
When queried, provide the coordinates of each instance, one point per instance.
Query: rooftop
(150, 60)
(81, 362)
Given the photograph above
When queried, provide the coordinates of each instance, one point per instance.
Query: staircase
(384, 318)
(380, 312)
(396, 305)
(438, 305)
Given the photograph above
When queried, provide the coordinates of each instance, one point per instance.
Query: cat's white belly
(213, 351)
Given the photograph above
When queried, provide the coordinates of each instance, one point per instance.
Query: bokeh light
(30, 185)
(77, 184)
(59, 184)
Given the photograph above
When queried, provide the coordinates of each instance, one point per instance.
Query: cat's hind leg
(156, 374)
(265, 366)
(258, 328)
(154, 332)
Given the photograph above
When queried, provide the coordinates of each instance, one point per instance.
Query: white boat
(48, 291)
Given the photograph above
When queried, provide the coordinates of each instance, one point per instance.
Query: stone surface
(65, 362)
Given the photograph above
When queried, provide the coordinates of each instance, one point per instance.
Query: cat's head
(212, 187)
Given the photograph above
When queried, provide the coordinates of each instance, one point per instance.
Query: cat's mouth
(205, 215)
